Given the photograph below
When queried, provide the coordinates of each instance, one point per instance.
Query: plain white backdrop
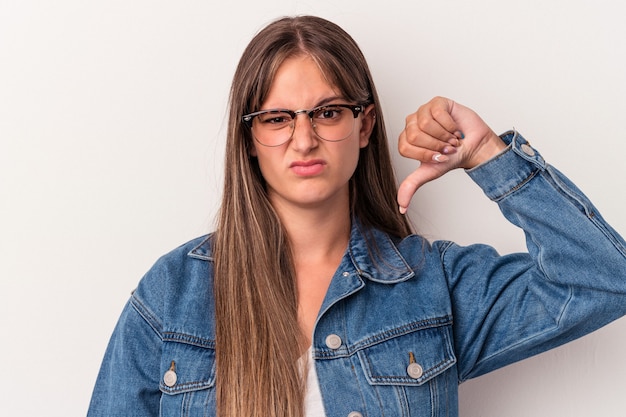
(112, 124)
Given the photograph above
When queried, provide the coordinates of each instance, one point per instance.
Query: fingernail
(448, 150)
(402, 210)
(439, 157)
(460, 134)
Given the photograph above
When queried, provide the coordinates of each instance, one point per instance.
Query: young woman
(313, 298)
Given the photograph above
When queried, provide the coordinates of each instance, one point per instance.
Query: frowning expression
(306, 170)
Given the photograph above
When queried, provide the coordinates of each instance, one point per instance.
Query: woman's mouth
(308, 168)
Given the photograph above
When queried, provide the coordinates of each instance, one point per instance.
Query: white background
(112, 124)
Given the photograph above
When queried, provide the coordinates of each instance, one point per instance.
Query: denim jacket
(401, 325)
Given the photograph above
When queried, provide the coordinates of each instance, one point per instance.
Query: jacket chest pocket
(413, 373)
(187, 380)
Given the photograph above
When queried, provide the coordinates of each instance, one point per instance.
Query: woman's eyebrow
(329, 100)
(320, 103)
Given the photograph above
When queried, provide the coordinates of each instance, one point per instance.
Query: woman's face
(306, 171)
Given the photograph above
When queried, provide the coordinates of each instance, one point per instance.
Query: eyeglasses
(274, 127)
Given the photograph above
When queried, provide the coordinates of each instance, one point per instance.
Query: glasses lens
(273, 127)
(333, 123)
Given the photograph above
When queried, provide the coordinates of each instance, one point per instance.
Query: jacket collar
(203, 251)
(376, 256)
(372, 252)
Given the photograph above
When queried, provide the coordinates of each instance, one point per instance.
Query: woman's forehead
(300, 83)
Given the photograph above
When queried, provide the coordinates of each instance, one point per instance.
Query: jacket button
(527, 149)
(414, 370)
(355, 414)
(333, 341)
(170, 378)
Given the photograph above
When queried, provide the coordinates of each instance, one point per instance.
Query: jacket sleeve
(571, 282)
(128, 384)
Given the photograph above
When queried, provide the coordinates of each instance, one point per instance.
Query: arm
(128, 382)
(573, 278)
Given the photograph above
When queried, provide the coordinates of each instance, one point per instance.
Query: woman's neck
(318, 233)
(318, 239)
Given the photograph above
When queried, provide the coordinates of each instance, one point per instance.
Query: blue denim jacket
(402, 325)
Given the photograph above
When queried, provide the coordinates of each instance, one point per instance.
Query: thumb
(424, 173)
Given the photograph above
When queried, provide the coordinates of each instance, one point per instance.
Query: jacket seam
(516, 187)
(177, 337)
(148, 316)
(387, 335)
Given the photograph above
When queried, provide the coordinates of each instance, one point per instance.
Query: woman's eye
(274, 119)
(328, 113)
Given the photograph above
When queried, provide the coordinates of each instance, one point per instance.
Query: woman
(313, 298)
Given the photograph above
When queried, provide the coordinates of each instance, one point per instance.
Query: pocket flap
(186, 367)
(409, 359)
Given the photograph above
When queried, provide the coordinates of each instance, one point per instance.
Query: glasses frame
(247, 118)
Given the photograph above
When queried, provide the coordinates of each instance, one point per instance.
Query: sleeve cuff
(509, 170)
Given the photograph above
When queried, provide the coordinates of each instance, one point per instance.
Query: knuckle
(439, 112)
(403, 147)
(425, 124)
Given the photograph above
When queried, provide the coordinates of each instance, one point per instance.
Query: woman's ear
(367, 125)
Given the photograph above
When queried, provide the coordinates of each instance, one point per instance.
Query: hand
(443, 135)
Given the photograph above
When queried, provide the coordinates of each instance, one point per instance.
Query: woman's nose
(304, 137)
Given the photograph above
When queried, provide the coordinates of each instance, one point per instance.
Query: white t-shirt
(313, 406)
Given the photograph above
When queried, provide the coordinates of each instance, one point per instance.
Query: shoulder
(180, 266)
(177, 284)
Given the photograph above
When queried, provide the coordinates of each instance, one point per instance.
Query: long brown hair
(258, 339)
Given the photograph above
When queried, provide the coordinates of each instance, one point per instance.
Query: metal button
(414, 370)
(355, 414)
(170, 378)
(345, 274)
(333, 341)
(527, 149)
